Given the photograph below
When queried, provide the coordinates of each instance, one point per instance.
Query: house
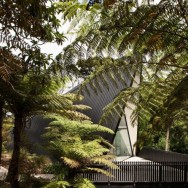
(125, 135)
(150, 168)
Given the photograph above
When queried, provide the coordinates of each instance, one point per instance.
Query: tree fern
(149, 31)
(78, 146)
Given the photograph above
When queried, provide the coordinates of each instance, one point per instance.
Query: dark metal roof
(97, 101)
(161, 155)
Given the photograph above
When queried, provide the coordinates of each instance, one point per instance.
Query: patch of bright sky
(55, 49)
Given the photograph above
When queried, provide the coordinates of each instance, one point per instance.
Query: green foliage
(151, 40)
(42, 25)
(159, 105)
(144, 29)
(78, 146)
(35, 94)
(83, 183)
(58, 184)
(82, 137)
(31, 164)
(24, 26)
(8, 63)
(6, 132)
(78, 183)
(27, 81)
(27, 94)
(55, 168)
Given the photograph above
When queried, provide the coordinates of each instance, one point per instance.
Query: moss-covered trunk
(167, 142)
(1, 127)
(13, 171)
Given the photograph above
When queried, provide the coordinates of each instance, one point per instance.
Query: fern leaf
(71, 162)
(99, 170)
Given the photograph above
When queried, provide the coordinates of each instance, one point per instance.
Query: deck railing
(144, 172)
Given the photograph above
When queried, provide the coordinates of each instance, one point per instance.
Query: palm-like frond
(103, 161)
(71, 162)
(154, 35)
(8, 64)
(83, 127)
(115, 71)
(58, 184)
(146, 29)
(83, 182)
(78, 144)
(34, 95)
(98, 170)
(146, 98)
(74, 115)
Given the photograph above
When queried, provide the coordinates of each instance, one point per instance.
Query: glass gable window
(122, 142)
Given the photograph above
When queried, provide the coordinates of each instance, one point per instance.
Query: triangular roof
(105, 95)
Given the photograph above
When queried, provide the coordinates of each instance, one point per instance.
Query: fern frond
(8, 64)
(58, 184)
(100, 160)
(71, 162)
(74, 115)
(99, 170)
(83, 183)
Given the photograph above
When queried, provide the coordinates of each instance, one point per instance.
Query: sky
(55, 49)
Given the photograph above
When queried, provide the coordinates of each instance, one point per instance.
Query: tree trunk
(1, 127)
(13, 171)
(167, 138)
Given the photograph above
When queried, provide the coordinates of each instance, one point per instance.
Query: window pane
(122, 143)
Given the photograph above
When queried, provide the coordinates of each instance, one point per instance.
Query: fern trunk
(13, 172)
(167, 138)
(1, 127)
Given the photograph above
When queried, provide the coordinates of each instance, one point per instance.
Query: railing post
(108, 183)
(134, 172)
(185, 173)
(160, 173)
